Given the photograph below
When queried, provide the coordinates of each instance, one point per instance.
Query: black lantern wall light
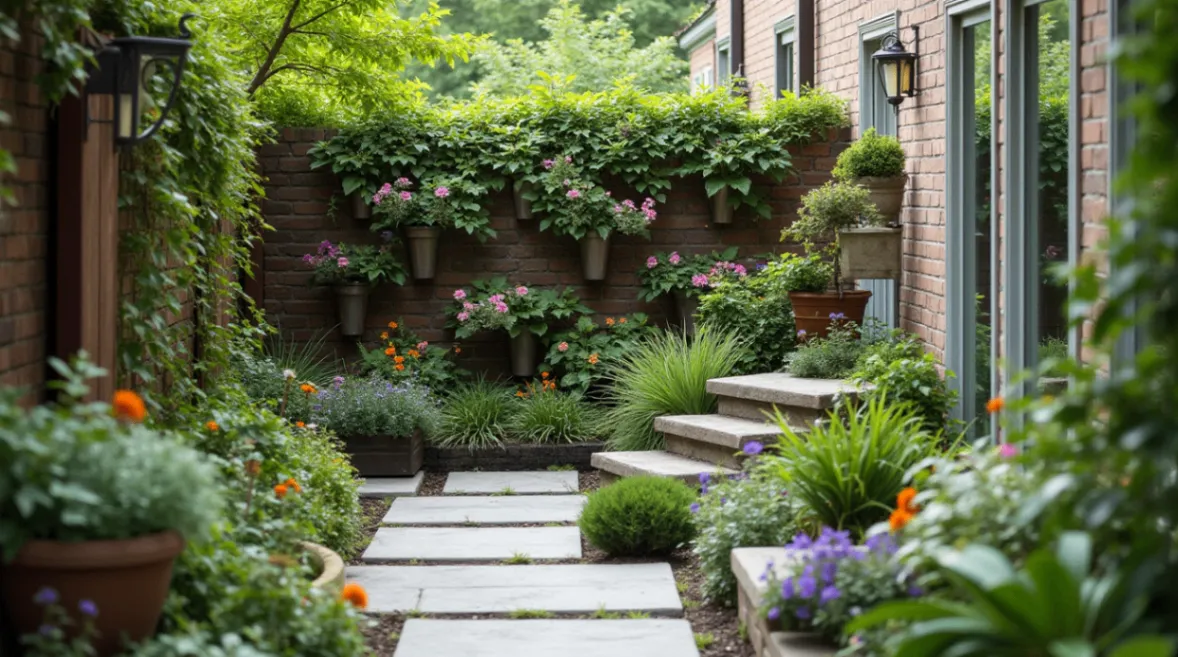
(127, 68)
(896, 67)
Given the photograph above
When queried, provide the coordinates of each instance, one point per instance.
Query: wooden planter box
(386, 456)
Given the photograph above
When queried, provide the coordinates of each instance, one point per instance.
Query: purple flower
(308, 258)
(674, 259)
(753, 448)
(774, 614)
(801, 333)
(801, 541)
(521, 291)
(47, 630)
(574, 194)
(652, 262)
(386, 235)
(695, 507)
(915, 591)
(704, 477)
(803, 613)
(88, 608)
(829, 594)
(836, 317)
(828, 570)
(787, 588)
(459, 295)
(338, 381)
(442, 192)
(342, 262)
(807, 585)
(45, 596)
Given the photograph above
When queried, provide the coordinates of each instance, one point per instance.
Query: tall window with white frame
(784, 57)
(723, 61)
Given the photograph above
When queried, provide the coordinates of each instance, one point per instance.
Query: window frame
(723, 60)
(784, 56)
(870, 91)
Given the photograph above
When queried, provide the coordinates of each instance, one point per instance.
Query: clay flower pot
(127, 580)
(721, 211)
(887, 193)
(813, 311)
(523, 354)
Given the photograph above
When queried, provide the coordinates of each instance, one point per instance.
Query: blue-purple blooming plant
(55, 637)
(830, 580)
(372, 406)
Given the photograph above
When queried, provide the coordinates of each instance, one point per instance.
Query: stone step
(654, 637)
(391, 486)
(539, 482)
(569, 589)
(497, 510)
(660, 464)
(754, 397)
(713, 438)
(472, 544)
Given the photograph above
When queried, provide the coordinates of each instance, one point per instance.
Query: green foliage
(444, 201)
(704, 640)
(752, 510)
(72, 472)
(1057, 604)
(639, 516)
(306, 359)
(580, 357)
(575, 205)
(496, 305)
(530, 613)
(554, 417)
(832, 357)
(666, 374)
(1053, 353)
(825, 211)
(872, 154)
(358, 406)
(580, 55)
(342, 264)
(665, 273)
(848, 470)
(474, 415)
(902, 373)
(403, 357)
(197, 644)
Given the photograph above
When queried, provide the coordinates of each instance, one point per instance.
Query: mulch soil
(706, 618)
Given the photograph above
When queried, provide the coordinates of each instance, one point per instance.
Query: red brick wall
(1095, 129)
(702, 57)
(24, 228)
(298, 203)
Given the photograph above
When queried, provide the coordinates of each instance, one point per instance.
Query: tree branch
(323, 13)
(263, 72)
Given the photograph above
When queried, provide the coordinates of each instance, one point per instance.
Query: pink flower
(574, 194)
(468, 306)
(500, 307)
(495, 298)
(548, 164)
(618, 209)
(459, 295)
(740, 270)
(609, 194)
(521, 291)
(652, 262)
(674, 259)
(1007, 450)
(422, 346)
(566, 182)
(463, 316)
(309, 259)
(385, 189)
(403, 182)
(405, 196)
(442, 192)
(568, 160)
(629, 204)
(562, 347)
(342, 262)
(699, 280)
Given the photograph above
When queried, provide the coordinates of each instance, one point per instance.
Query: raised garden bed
(511, 457)
(386, 456)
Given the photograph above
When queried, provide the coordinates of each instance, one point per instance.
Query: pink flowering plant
(664, 273)
(575, 204)
(492, 305)
(342, 264)
(444, 202)
(581, 356)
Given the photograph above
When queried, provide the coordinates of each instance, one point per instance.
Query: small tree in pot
(876, 162)
(353, 270)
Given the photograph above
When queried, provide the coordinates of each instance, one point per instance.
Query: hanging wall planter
(721, 211)
(523, 354)
(360, 207)
(870, 252)
(523, 206)
(594, 256)
(423, 250)
(685, 308)
(353, 307)
(813, 311)
(886, 193)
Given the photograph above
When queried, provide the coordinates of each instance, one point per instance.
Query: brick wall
(24, 228)
(1095, 129)
(298, 207)
(703, 57)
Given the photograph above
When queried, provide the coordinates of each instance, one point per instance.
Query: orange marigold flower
(520, 393)
(621, 320)
(609, 321)
(280, 490)
(399, 368)
(307, 388)
(593, 359)
(899, 519)
(393, 325)
(129, 406)
(399, 359)
(300, 424)
(355, 594)
(390, 351)
(995, 405)
(294, 484)
(414, 353)
(384, 335)
(904, 500)
(211, 426)
(457, 350)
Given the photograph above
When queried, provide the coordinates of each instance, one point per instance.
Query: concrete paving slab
(392, 486)
(520, 483)
(500, 510)
(423, 637)
(579, 589)
(473, 543)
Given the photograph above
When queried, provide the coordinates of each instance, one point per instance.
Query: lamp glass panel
(888, 70)
(905, 77)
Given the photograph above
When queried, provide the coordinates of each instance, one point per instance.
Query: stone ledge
(730, 432)
(658, 464)
(782, 389)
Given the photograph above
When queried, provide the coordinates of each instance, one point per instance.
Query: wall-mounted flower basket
(423, 250)
(870, 252)
(523, 205)
(360, 207)
(721, 212)
(523, 354)
(686, 308)
(814, 312)
(886, 193)
(594, 256)
(386, 456)
(352, 301)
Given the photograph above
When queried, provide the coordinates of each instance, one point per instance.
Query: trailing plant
(665, 273)
(639, 516)
(666, 374)
(402, 356)
(341, 264)
(495, 305)
(580, 357)
(444, 202)
(825, 211)
(576, 205)
(872, 155)
(474, 415)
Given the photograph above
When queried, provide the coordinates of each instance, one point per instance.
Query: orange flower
(899, 519)
(211, 426)
(390, 351)
(307, 388)
(355, 594)
(609, 321)
(300, 424)
(399, 368)
(280, 491)
(393, 325)
(384, 335)
(543, 375)
(294, 484)
(399, 359)
(414, 353)
(520, 393)
(457, 350)
(593, 359)
(995, 405)
(904, 501)
(621, 320)
(253, 467)
(129, 406)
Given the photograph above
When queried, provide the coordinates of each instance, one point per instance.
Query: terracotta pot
(871, 252)
(523, 354)
(423, 250)
(721, 211)
(128, 580)
(594, 256)
(352, 300)
(360, 207)
(328, 566)
(686, 308)
(386, 456)
(886, 193)
(523, 206)
(812, 311)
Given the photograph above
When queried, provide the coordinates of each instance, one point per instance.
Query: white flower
(312, 426)
(288, 374)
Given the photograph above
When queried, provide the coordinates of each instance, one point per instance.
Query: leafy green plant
(848, 471)
(639, 516)
(198, 643)
(665, 273)
(520, 614)
(872, 154)
(474, 415)
(825, 211)
(576, 204)
(306, 359)
(402, 356)
(551, 416)
(359, 406)
(1053, 352)
(1057, 604)
(731, 161)
(447, 201)
(580, 357)
(343, 264)
(666, 374)
(704, 640)
(832, 357)
(901, 371)
(495, 305)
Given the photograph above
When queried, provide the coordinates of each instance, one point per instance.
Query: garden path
(470, 557)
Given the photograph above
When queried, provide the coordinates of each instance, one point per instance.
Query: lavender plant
(373, 407)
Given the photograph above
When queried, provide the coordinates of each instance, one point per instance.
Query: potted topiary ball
(876, 162)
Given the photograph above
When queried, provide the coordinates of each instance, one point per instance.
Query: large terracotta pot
(128, 581)
(721, 211)
(360, 207)
(423, 250)
(353, 308)
(812, 312)
(594, 256)
(523, 354)
(887, 193)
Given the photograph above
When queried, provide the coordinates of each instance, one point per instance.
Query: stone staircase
(697, 444)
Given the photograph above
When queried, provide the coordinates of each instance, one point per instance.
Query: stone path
(392, 486)
(460, 526)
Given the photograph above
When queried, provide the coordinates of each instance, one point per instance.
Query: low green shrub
(197, 644)
(872, 154)
(474, 415)
(639, 516)
(551, 416)
(750, 510)
(666, 374)
(832, 357)
(901, 372)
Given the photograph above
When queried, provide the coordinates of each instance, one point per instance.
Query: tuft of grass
(602, 614)
(704, 640)
(530, 613)
(681, 586)
(666, 374)
(742, 631)
(553, 417)
(507, 490)
(567, 467)
(475, 415)
(690, 604)
(394, 636)
(637, 615)
(518, 559)
(307, 359)
(415, 613)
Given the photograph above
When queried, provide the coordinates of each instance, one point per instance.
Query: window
(784, 56)
(723, 60)
(702, 80)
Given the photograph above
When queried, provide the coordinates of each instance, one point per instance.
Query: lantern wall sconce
(125, 69)
(897, 67)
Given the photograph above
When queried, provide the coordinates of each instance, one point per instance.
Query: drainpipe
(736, 52)
(804, 37)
